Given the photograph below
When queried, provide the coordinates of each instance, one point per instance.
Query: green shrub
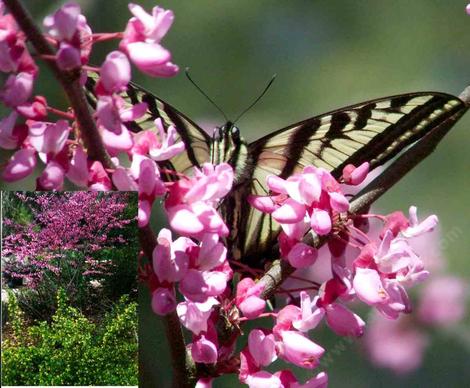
(72, 350)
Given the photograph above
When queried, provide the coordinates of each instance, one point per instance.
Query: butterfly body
(374, 131)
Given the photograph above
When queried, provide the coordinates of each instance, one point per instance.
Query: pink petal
(302, 255)
(68, 57)
(52, 178)
(115, 72)
(20, 165)
(320, 222)
(163, 301)
(368, 286)
(339, 202)
(204, 351)
(290, 212)
(343, 321)
(262, 347)
(78, 168)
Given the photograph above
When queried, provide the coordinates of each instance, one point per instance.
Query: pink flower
(355, 175)
(142, 41)
(262, 347)
(443, 301)
(115, 72)
(17, 89)
(111, 112)
(194, 316)
(14, 56)
(63, 24)
(320, 222)
(52, 178)
(73, 36)
(205, 382)
(204, 351)
(319, 381)
(395, 344)
(20, 165)
(343, 321)
(78, 167)
(369, 287)
(417, 228)
(212, 253)
(248, 300)
(190, 205)
(49, 138)
(294, 347)
(163, 301)
(263, 379)
(98, 178)
(311, 314)
(8, 140)
(467, 9)
(170, 260)
(167, 147)
(68, 57)
(302, 255)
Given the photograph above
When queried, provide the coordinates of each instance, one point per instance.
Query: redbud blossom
(296, 348)
(49, 138)
(52, 178)
(262, 347)
(141, 41)
(115, 72)
(204, 351)
(194, 316)
(163, 301)
(20, 165)
(167, 148)
(355, 175)
(248, 300)
(78, 167)
(17, 89)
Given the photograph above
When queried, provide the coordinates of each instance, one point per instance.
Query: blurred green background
(327, 54)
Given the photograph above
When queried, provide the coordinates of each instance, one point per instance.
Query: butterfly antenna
(257, 99)
(204, 94)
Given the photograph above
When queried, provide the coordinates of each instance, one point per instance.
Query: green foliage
(71, 350)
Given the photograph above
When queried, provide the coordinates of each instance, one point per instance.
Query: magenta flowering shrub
(192, 277)
(61, 225)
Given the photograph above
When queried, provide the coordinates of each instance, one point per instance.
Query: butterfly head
(228, 144)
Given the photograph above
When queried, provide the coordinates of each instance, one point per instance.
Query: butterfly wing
(197, 142)
(373, 131)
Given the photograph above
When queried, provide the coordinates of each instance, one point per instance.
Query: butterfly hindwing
(373, 131)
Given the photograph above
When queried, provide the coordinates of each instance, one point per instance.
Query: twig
(70, 81)
(280, 270)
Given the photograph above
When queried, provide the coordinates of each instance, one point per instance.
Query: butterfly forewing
(373, 131)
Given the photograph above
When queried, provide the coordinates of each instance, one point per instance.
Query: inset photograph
(69, 288)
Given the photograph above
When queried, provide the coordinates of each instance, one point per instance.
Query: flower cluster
(75, 221)
(56, 143)
(399, 345)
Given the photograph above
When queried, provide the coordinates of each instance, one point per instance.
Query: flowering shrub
(191, 274)
(46, 354)
(66, 229)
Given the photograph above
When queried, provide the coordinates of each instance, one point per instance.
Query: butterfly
(373, 131)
